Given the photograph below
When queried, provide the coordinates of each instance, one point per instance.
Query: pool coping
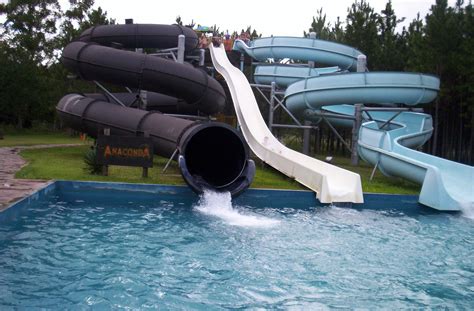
(13, 189)
(48, 186)
(157, 188)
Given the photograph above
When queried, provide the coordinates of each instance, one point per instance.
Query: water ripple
(164, 254)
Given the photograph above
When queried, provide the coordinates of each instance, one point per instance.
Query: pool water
(106, 248)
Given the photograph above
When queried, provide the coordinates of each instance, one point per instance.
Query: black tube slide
(134, 36)
(145, 72)
(155, 102)
(210, 155)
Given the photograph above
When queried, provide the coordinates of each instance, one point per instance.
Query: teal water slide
(387, 139)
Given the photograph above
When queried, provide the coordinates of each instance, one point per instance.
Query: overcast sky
(267, 17)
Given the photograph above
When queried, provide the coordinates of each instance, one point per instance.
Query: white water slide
(331, 183)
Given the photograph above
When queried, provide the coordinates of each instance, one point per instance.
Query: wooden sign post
(125, 151)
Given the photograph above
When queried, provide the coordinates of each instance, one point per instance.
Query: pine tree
(362, 31)
(392, 44)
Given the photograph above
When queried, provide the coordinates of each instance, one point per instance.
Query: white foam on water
(467, 210)
(219, 204)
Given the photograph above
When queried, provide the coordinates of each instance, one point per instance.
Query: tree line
(441, 43)
(35, 31)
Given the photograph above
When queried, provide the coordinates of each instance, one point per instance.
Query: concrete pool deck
(11, 188)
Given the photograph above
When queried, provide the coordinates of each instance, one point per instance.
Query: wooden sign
(125, 151)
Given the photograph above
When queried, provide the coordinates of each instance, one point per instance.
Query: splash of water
(467, 210)
(219, 204)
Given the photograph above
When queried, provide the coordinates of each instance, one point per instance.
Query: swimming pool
(115, 245)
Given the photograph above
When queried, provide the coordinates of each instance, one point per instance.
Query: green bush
(92, 165)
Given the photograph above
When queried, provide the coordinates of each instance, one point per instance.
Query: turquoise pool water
(80, 247)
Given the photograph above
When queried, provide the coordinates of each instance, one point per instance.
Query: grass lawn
(380, 183)
(30, 138)
(67, 163)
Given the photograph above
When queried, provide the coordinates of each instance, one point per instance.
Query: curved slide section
(365, 87)
(132, 36)
(331, 183)
(154, 102)
(210, 155)
(141, 71)
(392, 150)
(445, 184)
(203, 161)
(304, 49)
(283, 75)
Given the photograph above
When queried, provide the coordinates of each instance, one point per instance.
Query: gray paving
(12, 189)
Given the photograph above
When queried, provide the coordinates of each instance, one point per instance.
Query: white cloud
(268, 17)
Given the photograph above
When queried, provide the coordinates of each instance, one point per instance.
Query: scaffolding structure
(176, 54)
(273, 96)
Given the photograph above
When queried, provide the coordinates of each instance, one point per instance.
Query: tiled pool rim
(372, 200)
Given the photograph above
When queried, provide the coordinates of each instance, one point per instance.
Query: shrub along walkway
(12, 189)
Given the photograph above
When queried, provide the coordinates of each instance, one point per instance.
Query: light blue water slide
(285, 75)
(446, 185)
(303, 49)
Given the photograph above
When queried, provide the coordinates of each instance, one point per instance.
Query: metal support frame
(181, 47)
(390, 120)
(178, 55)
(322, 113)
(355, 133)
(190, 117)
(103, 88)
(334, 130)
(394, 109)
(169, 161)
(368, 115)
(167, 53)
(372, 174)
(202, 57)
(361, 67)
(290, 126)
(271, 109)
(273, 97)
(307, 126)
(105, 168)
(212, 70)
(141, 96)
(306, 131)
(365, 109)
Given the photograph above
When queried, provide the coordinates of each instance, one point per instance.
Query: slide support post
(202, 57)
(361, 67)
(355, 133)
(271, 108)
(306, 131)
(181, 47)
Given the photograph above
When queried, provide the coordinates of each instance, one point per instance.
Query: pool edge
(32, 196)
(182, 189)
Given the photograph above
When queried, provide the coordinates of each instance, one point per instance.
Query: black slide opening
(211, 155)
(216, 155)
